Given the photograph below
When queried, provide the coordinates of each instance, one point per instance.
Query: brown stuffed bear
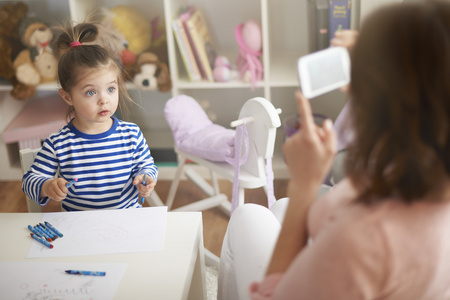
(10, 45)
(36, 64)
(152, 74)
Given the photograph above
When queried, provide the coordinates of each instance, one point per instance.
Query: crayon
(90, 273)
(43, 233)
(50, 226)
(71, 182)
(144, 182)
(41, 240)
(34, 231)
(49, 232)
(48, 237)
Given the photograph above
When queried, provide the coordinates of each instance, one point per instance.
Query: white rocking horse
(242, 156)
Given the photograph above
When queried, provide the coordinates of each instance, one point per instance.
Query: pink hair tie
(74, 44)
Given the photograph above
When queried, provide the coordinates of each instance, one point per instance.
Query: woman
(384, 231)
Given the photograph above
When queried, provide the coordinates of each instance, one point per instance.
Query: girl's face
(95, 99)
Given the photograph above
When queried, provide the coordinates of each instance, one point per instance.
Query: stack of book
(325, 18)
(194, 42)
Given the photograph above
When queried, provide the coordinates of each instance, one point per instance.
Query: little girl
(108, 158)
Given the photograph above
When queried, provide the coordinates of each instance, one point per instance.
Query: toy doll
(248, 63)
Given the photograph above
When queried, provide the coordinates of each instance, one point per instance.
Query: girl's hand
(147, 189)
(310, 151)
(55, 189)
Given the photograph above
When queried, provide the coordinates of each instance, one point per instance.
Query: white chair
(262, 120)
(26, 160)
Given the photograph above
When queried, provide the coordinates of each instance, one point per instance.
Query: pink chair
(37, 120)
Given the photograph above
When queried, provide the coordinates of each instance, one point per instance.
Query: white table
(177, 272)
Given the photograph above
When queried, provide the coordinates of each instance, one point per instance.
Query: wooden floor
(215, 221)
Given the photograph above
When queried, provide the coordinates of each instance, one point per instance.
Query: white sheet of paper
(48, 280)
(104, 232)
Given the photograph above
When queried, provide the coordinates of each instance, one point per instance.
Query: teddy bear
(11, 15)
(142, 64)
(36, 64)
(152, 74)
(133, 26)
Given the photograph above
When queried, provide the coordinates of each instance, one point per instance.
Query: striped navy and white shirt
(105, 165)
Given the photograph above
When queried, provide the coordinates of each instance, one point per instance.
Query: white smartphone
(323, 71)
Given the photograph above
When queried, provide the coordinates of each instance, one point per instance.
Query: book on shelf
(340, 17)
(184, 46)
(201, 42)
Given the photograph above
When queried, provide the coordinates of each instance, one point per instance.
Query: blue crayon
(38, 230)
(43, 233)
(90, 273)
(71, 182)
(34, 231)
(42, 230)
(144, 182)
(41, 240)
(50, 226)
(49, 232)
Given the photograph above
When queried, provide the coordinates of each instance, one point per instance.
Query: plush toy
(223, 70)
(10, 45)
(152, 74)
(36, 64)
(249, 38)
(145, 46)
(135, 28)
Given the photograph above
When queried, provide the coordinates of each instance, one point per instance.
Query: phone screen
(324, 71)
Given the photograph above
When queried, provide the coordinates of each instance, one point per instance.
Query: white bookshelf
(285, 38)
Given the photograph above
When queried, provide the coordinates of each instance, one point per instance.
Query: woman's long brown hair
(401, 102)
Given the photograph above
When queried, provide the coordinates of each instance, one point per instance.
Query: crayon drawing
(105, 233)
(48, 281)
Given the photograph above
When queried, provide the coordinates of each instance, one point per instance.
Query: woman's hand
(309, 154)
(147, 189)
(310, 151)
(345, 38)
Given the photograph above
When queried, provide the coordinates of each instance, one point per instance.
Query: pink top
(387, 251)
